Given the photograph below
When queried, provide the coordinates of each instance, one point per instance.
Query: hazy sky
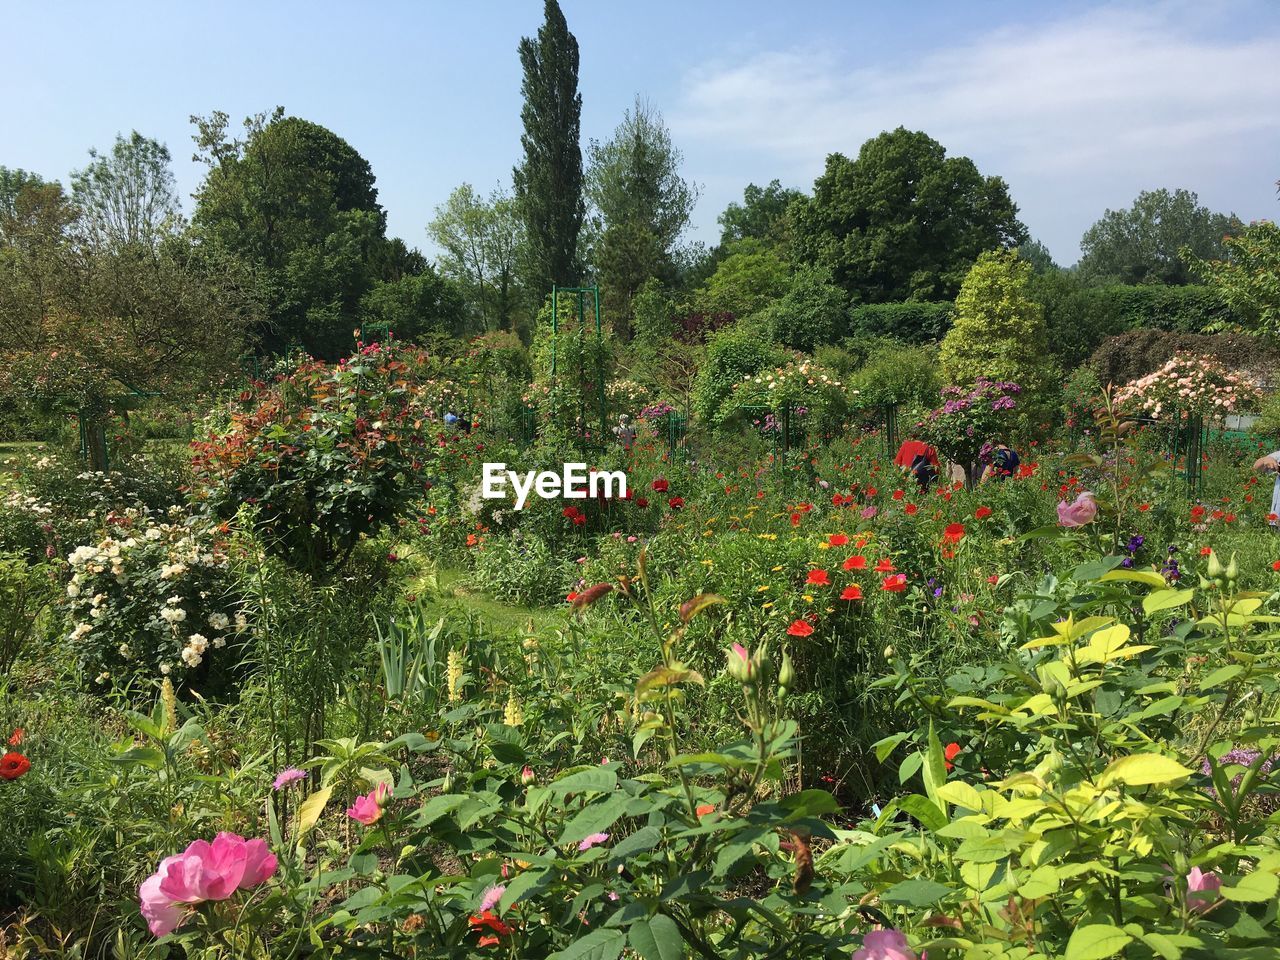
(1078, 109)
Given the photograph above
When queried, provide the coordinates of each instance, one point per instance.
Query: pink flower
(1202, 889)
(367, 808)
(491, 897)
(1079, 512)
(204, 871)
(592, 840)
(884, 945)
(286, 777)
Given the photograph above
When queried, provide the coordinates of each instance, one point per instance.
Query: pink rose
(884, 945)
(1079, 512)
(367, 808)
(1202, 889)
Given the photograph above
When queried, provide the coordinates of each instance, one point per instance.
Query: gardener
(1271, 464)
(1004, 463)
(920, 460)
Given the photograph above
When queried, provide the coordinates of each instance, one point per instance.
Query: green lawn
(445, 589)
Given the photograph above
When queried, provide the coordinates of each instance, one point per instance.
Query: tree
(12, 182)
(1038, 255)
(903, 221)
(297, 204)
(747, 280)
(481, 241)
(762, 215)
(1247, 275)
(998, 331)
(83, 323)
(416, 306)
(812, 312)
(1144, 244)
(548, 182)
(129, 195)
(641, 205)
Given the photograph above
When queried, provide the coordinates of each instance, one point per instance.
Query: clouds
(1077, 114)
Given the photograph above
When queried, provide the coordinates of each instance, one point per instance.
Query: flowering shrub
(969, 418)
(151, 599)
(327, 453)
(657, 411)
(1189, 385)
(800, 385)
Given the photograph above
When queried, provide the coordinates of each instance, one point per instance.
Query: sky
(1078, 106)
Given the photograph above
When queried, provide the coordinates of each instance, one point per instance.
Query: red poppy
(856, 562)
(993, 579)
(871, 491)
(642, 502)
(490, 919)
(16, 737)
(570, 512)
(818, 578)
(837, 540)
(1144, 507)
(954, 533)
(982, 513)
(795, 519)
(1197, 513)
(951, 751)
(899, 494)
(894, 583)
(472, 539)
(573, 595)
(910, 509)
(1205, 551)
(1275, 564)
(675, 503)
(13, 766)
(660, 485)
(885, 566)
(852, 592)
(800, 628)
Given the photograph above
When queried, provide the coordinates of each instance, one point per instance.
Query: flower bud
(1215, 570)
(787, 674)
(1233, 570)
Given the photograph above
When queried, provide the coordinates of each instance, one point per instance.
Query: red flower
(675, 503)
(885, 566)
(954, 533)
(1205, 551)
(569, 512)
(16, 737)
(795, 519)
(13, 766)
(950, 753)
(871, 491)
(856, 562)
(573, 595)
(852, 592)
(982, 513)
(837, 540)
(993, 579)
(1144, 507)
(660, 485)
(910, 509)
(818, 578)
(800, 628)
(1275, 564)
(894, 583)
(899, 494)
(642, 502)
(1197, 513)
(490, 919)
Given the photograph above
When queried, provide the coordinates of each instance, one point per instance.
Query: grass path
(446, 589)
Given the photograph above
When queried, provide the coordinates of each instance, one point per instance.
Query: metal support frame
(582, 293)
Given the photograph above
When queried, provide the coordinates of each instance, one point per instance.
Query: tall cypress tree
(549, 181)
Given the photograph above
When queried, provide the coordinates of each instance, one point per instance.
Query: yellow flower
(762, 588)
(707, 563)
(824, 545)
(768, 605)
(775, 569)
(767, 536)
(808, 598)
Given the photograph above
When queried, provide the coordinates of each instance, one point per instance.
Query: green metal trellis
(581, 295)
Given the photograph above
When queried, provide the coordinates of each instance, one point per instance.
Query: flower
(857, 562)
(951, 751)
(287, 776)
(1079, 512)
(660, 485)
(676, 503)
(894, 583)
(884, 566)
(982, 513)
(1202, 889)
(489, 919)
(884, 945)
(800, 628)
(592, 840)
(705, 808)
(15, 738)
(818, 578)
(954, 533)
(491, 897)
(837, 539)
(852, 592)
(204, 871)
(14, 765)
(367, 808)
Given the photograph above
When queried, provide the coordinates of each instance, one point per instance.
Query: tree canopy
(903, 221)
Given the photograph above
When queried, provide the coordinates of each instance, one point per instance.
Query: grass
(447, 588)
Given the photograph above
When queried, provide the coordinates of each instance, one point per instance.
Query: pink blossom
(884, 945)
(1202, 889)
(367, 808)
(491, 897)
(286, 777)
(204, 871)
(1079, 512)
(592, 840)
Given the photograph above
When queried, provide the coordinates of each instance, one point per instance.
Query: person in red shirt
(920, 460)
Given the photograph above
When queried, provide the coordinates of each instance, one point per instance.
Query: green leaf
(310, 809)
(916, 893)
(595, 818)
(518, 887)
(1142, 769)
(656, 938)
(600, 944)
(1221, 676)
(1253, 888)
(1094, 941)
(437, 807)
(596, 779)
(1165, 599)
(1151, 578)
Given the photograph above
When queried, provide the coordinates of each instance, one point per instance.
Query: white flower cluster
(1189, 384)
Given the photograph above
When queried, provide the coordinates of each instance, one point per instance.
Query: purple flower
(286, 777)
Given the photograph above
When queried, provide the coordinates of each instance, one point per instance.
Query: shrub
(897, 374)
(811, 313)
(969, 419)
(1137, 353)
(750, 278)
(911, 322)
(732, 354)
(1188, 384)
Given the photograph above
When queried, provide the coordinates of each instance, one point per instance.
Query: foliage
(415, 306)
(1137, 353)
(970, 418)
(802, 387)
(1189, 385)
(762, 215)
(482, 241)
(903, 221)
(326, 453)
(548, 180)
(905, 376)
(812, 312)
(569, 398)
(26, 589)
(915, 322)
(1154, 241)
(998, 332)
(748, 279)
(732, 354)
(1247, 275)
(129, 196)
